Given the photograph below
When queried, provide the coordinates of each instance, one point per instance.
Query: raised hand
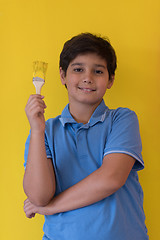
(35, 109)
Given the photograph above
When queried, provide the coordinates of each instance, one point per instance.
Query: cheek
(102, 86)
(71, 84)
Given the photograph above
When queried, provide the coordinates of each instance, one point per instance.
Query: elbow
(43, 200)
(117, 184)
(111, 186)
(40, 200)
(38, 197)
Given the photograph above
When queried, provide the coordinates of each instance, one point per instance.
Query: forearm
(39, 180)
(92, 189)
(103, 182)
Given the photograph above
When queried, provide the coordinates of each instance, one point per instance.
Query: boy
(81, 167)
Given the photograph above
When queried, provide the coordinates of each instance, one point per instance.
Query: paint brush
(39, 73)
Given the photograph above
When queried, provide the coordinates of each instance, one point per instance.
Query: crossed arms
(39, 178)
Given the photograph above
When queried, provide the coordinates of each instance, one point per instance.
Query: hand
(35, 112)
(30, 209)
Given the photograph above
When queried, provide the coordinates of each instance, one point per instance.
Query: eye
(98, 72)
(77, 69)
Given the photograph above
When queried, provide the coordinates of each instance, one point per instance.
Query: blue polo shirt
(77, 150)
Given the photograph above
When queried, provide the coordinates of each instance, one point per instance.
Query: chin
(91, 102)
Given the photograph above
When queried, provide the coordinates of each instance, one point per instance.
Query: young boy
(81, 167)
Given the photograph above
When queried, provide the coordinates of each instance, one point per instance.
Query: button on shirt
(77, 150)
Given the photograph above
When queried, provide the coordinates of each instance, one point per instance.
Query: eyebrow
(82, 64)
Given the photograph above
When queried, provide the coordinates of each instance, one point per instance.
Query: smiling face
(87, 79)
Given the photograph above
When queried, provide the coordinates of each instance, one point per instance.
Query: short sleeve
(48, 151)
(124, 136)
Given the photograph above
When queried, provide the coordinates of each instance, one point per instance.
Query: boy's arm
(100, 184)
(39, 179)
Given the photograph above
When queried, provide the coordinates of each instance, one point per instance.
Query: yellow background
(36, 30)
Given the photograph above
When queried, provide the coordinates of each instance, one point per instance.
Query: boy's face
(87, 79)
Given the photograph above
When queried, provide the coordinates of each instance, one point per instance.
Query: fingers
(35, 104)
(35, 109)
(32, 215)
(34, 97)
(29, 209)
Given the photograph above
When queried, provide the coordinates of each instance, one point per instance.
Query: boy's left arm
(100, 184)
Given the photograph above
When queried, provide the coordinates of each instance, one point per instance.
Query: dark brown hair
(88, 43)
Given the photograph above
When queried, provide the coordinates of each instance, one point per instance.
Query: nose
(88, 78)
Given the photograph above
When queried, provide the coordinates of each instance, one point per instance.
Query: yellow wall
(36, 30)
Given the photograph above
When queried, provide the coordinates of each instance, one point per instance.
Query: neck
(82, 112)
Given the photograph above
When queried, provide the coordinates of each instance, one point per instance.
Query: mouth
(87, 89)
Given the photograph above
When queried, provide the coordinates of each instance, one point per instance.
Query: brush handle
(38, 83)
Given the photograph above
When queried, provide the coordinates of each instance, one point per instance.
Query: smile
(87, 89)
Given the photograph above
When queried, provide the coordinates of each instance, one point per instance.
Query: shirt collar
(98, 115)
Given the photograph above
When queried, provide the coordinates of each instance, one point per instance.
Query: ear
(62, 76)
(111, 81)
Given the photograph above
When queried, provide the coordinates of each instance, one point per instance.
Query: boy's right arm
(39, 179)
